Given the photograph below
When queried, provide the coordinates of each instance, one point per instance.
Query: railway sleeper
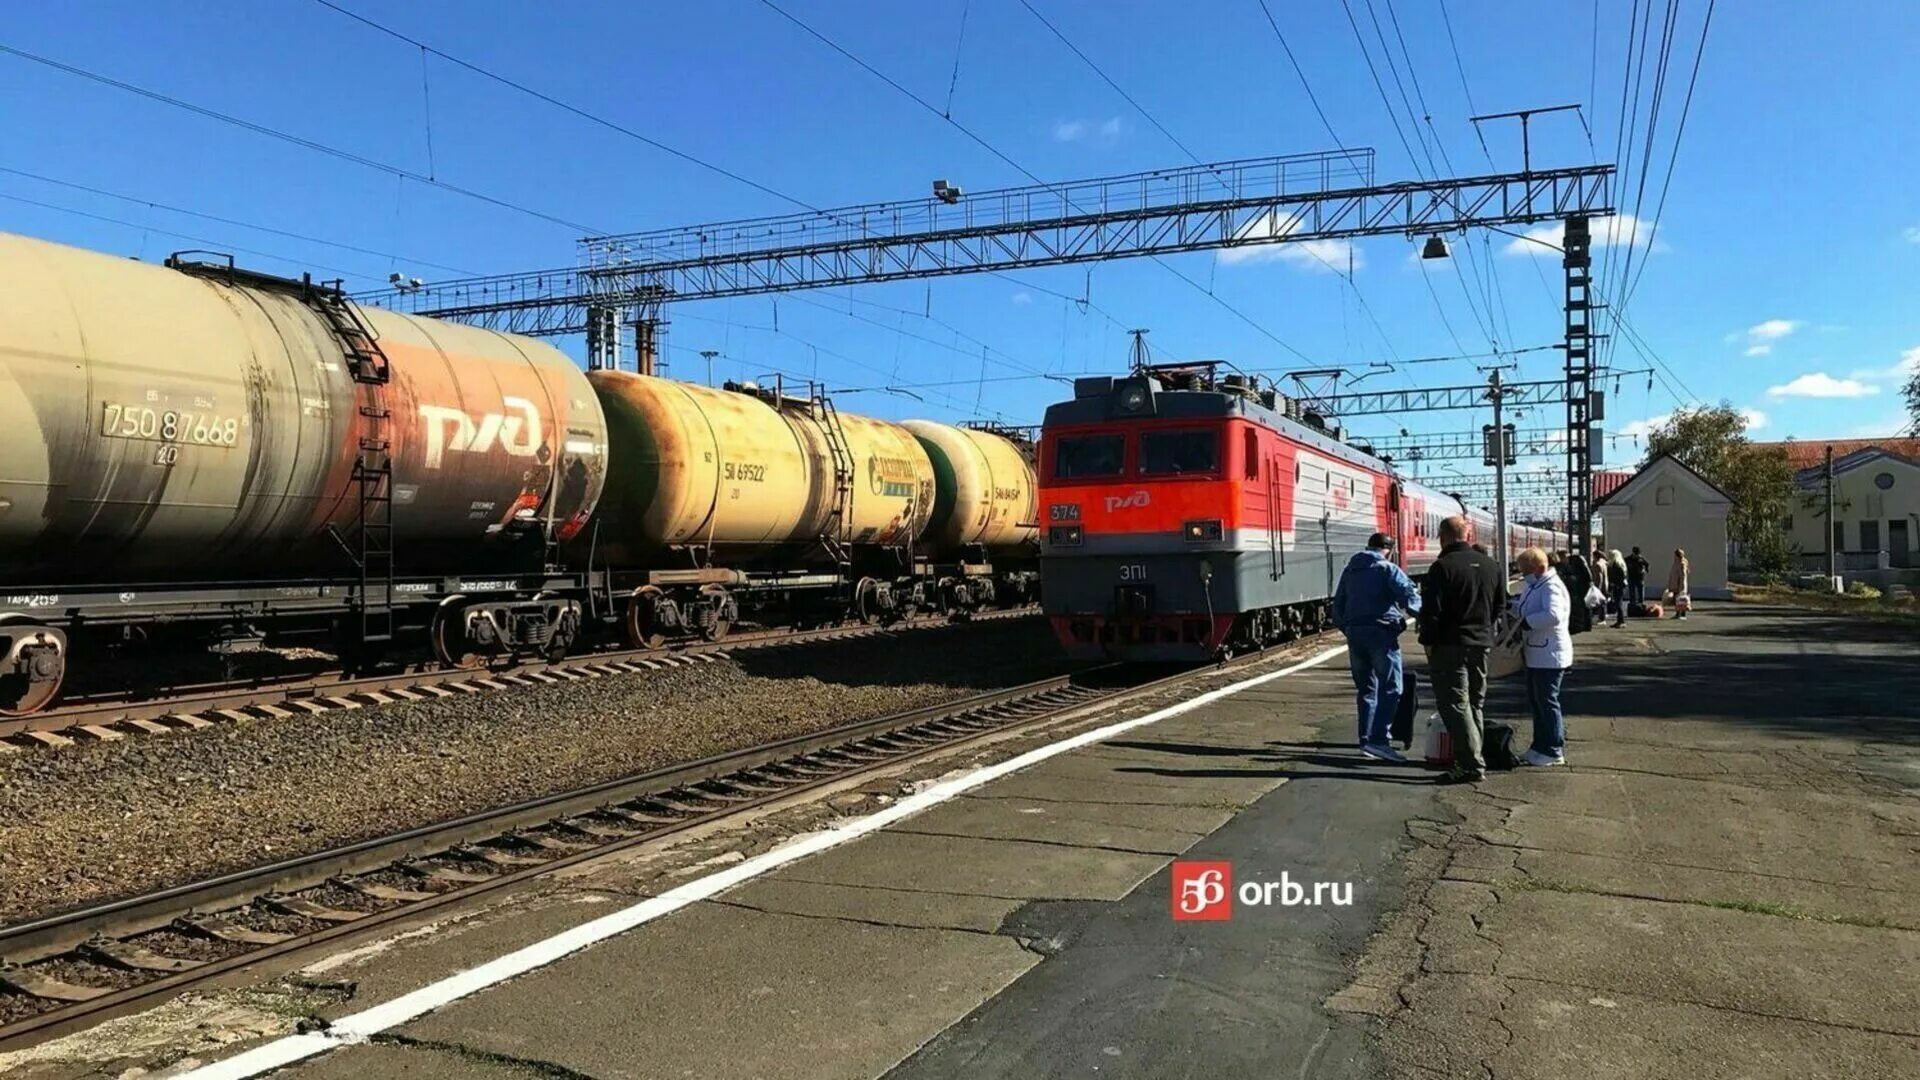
(130, 957)
(221, 928)
(33, 984)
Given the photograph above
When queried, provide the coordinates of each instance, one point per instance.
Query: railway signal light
(1505, 447)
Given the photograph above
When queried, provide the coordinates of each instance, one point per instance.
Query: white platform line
(358, 1027)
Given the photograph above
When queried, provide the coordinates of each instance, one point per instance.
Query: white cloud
(1620, 230)
(1324, 256)
(1905, 368)
(1022, 299)
(1819, 384)
(1761, 336)
(1077, 130)
(1912, 234)
(1643, 428)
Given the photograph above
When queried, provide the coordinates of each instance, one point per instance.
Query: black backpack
(1497, 746)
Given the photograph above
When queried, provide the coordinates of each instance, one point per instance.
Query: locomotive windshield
(1179, 453)
(1079, 456)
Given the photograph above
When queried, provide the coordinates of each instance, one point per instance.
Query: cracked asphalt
(1722, 883)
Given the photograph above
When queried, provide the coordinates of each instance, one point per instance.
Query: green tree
(1913, 399)
(1712, 441)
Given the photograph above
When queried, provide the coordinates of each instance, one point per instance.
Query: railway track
(116, 716)
(70, 971)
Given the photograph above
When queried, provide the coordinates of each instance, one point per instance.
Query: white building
(1664, 506)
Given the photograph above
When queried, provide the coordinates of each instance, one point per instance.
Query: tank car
(202, 442)
(1188, 517)
(746, 496)
(983, 535)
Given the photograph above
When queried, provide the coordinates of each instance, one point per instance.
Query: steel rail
(733, 783)
(81, 717)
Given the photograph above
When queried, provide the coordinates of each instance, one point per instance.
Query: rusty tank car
(198, 438)
(747, 494)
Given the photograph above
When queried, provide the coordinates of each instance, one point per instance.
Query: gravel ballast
(93, 822)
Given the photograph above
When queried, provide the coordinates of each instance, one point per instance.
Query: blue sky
(1781, 278)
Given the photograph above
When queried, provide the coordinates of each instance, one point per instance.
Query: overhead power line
(1002, 156)
(288, 137)
(138, 201)
(221, 244)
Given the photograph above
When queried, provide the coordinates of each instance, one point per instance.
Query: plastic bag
(1595, 598)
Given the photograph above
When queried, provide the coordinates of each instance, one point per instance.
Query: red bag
(1654, 609)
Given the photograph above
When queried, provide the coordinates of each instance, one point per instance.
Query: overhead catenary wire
(223, 245)
(1686, 107)
(288, 137)
(976, 138)
(303, 237)
(629, 132)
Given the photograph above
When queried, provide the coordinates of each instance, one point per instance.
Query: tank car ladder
(842, 518)
(372, 551)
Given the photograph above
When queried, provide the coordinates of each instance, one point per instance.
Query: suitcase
(1653, 609)
(1402, 730)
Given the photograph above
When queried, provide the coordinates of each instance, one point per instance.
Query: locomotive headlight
(1133, 398)
(1064, 535)
(1199, 532)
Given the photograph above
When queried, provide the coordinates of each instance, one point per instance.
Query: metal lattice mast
(1578, 244)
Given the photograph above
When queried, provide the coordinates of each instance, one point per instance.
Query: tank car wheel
(35, 665)
(643, 629)
(449, 636)
(866, 601)
(716, 595)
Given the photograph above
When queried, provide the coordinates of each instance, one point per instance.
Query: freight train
(1189, 517)
(200, 452)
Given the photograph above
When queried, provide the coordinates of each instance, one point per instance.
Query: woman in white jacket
(1545, 611)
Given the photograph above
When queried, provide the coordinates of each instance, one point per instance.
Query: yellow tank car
(984, 490)
(743, 474)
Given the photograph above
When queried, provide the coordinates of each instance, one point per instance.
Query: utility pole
(1499, 447)
(708, 355)
(1833, 530)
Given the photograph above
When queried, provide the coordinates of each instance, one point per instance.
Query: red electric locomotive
(1187, 517)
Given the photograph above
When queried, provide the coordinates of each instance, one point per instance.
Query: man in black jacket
(1459, 599)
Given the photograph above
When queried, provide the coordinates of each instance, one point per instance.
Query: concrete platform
(1723, 882)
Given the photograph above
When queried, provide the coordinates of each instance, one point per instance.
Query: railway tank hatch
(984, 489)
(205, 423)
(744, 472)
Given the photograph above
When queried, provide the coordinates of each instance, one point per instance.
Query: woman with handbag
(1677, 584)
(1545, 612)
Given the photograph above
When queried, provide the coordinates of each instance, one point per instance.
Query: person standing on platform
(1579, 579)
(1599, 566)
(1545, 610)
(1459, 598)
(1617, 586)
(1370, 606)
(1677, 584)
(1637, 567)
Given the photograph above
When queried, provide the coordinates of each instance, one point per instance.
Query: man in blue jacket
(1371, 606)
